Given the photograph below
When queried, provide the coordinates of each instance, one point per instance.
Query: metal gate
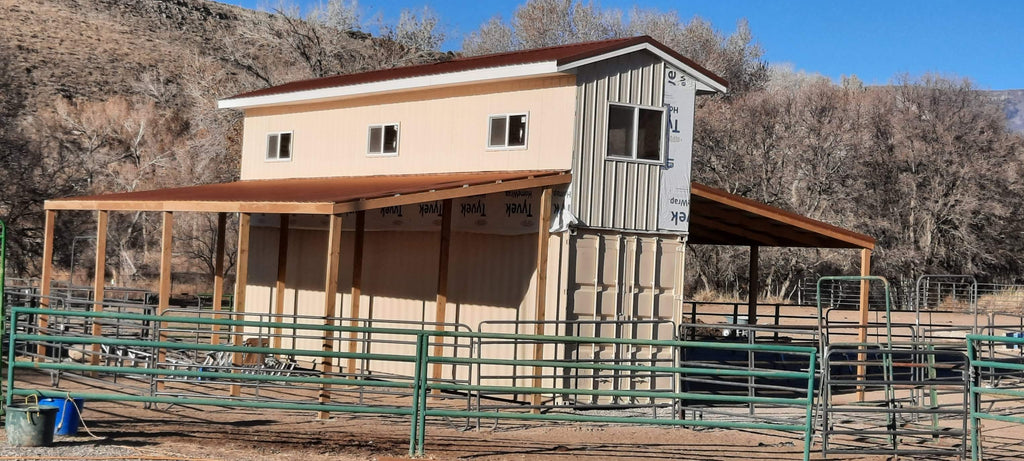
(889, 396)
(915, 401)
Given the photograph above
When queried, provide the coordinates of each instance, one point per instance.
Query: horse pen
(939, 380)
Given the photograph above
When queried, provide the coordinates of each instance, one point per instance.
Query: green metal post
(416, 391)
(10, 362)
(810, 405)
(423, 359)
(972, 379)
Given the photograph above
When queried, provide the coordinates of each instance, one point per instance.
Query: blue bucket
(67, 414)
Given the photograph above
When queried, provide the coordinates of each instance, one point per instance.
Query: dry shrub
(1009, 300)
(711, 296)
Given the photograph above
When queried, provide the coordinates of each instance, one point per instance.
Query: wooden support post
(862, 332)
(540, 305)
(164, 291)
(45, 278)
(754, 286)
(98, 281)
(357, 287)
(441, 307)
(282, 274)
(241, 282)
(330, 298)
(218, 274)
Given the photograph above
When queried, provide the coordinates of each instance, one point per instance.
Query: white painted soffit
(706, 83)
(385, 86)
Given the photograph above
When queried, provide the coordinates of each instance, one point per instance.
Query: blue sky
(875, 40)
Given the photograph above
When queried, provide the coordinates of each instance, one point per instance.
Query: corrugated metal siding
(613, 193)
(621, 277)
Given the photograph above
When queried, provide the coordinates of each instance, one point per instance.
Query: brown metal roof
(717, 217)
(720, 218)
(565, 54)
(315, 195)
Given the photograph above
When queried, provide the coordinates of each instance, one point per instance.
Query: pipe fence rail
(411, 391)
(996, 392)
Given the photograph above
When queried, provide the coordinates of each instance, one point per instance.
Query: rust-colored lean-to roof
(717, 217)
(720, 218)
(565, 54)
(315, 195)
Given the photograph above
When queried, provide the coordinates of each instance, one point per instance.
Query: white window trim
(508, 115)
(398, 142)
(636, 134)
(266, 147)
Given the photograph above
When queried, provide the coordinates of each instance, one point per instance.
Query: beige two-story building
(543, 190)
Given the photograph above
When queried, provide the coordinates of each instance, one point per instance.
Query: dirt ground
(126, 431)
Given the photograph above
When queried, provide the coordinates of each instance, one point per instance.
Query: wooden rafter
(330, 298)
(98, 280)
(164, 293)
(46, 277)
(218, 273)
(540, 314)
(441, 301)
(282, 274)
(799, 228)
(357, 286)
(241, 281)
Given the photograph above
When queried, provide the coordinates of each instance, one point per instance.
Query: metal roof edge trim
(534, 69)
(702, 75)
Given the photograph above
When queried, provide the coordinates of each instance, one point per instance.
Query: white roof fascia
(703, 87)
(710, 84)
(452, 78)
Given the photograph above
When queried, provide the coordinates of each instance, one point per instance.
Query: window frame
(508, 116)
(383, 128)
(636, 134)
(277, 155)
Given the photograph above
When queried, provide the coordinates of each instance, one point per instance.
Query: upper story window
(382, 139)
(636, 132)
(507, 131)
(279, 146)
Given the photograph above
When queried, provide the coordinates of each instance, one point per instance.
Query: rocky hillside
(119, 95)
(93, 49)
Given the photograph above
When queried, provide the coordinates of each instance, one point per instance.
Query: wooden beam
(282, 274)
(241, 282)
(357, 287)
(540, 303)
(317, 207)
(46, 277)
(754, 285)
(759, 230)
(198, 206)
(98, 279)
(744, 231)
(454, 192)
(218, 274)
(330, 298)
(164, 290)
(862, 332)
(441, 301)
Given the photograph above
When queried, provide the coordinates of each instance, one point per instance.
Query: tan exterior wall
(491, 277)
(441, 130)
